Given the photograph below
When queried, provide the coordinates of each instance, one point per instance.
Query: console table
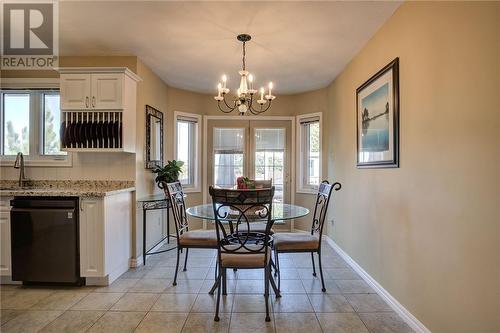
(154, 202)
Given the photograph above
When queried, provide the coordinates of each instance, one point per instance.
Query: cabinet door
(75, 91)
(91, 237)
(107, 91)
(5, 268)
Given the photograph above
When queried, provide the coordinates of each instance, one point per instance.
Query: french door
(257, 149)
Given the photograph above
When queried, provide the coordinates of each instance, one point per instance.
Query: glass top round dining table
(280, 212)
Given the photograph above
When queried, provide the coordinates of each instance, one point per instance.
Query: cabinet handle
(86, 101)
(93, 101)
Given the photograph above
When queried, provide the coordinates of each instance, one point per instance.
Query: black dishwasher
(44, 238)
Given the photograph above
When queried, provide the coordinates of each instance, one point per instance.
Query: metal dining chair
(293, 242)
(237, 248)
(186, 239)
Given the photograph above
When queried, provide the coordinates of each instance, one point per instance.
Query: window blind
(269, 139)
(187, 119)
(229, 140)
(305, 121)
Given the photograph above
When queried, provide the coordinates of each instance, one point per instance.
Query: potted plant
(168, 173)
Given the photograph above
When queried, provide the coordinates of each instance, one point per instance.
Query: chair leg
(216, 318)
(279, 272)
(186, 259)
(177, 266)
(321, 272)
(224, 281)
(216, 270)
(312, 258)
(267, 274)
(277, 263)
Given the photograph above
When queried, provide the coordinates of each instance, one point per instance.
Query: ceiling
(300, 46)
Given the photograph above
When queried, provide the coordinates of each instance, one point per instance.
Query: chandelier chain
(244, 54)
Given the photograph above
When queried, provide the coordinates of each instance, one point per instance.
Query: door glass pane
(229, 158)
(16, 109)
(270, 158)
(51, 125)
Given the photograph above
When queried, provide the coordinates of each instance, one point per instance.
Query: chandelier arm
(257, 112)
(227, 105)
(228, 110)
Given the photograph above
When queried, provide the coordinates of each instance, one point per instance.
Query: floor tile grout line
(102, 315)
(140, 321)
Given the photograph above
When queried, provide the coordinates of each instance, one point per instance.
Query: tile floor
(144, 300)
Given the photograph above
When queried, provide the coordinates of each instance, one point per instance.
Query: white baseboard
(135, 262)
(410, 319)
(97, 281)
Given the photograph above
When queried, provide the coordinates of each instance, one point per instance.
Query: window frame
(196, 185)
(36, 157)
(302, 186)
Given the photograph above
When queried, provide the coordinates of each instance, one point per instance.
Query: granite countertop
(66, 188)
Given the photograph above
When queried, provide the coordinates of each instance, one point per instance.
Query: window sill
(66, 163)
(191, 189)
(307, 191)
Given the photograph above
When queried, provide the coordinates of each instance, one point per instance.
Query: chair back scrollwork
(234, 211)
(322, 200)
(175, 194)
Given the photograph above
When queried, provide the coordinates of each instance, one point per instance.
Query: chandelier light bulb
(262, 93)
(224, 80)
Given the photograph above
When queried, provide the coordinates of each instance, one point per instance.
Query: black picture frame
(153, 161)
(378, 147)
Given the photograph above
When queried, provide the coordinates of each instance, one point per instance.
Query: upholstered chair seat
(201, 238)
(295, 241)
(245, 259)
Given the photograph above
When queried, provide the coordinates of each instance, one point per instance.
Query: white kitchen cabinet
(105, 237)
(91, 237)
(5, 259)
(90, 88)
(107, 91)
(75, 91)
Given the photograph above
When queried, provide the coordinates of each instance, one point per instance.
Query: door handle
(93, 101)
(86, 101)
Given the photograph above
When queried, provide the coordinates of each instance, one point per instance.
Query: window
(229, 160)
(310, 152)
(270, 158)
(187, 149)
(30, 122)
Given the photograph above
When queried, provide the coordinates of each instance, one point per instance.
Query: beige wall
(429, 231)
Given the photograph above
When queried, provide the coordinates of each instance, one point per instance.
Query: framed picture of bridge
(377, 117)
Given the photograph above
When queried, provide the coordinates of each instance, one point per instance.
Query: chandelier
(243, 101)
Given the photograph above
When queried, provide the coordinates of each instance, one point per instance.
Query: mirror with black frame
(154, 137)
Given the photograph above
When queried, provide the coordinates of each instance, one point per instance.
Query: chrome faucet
(19, 164)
